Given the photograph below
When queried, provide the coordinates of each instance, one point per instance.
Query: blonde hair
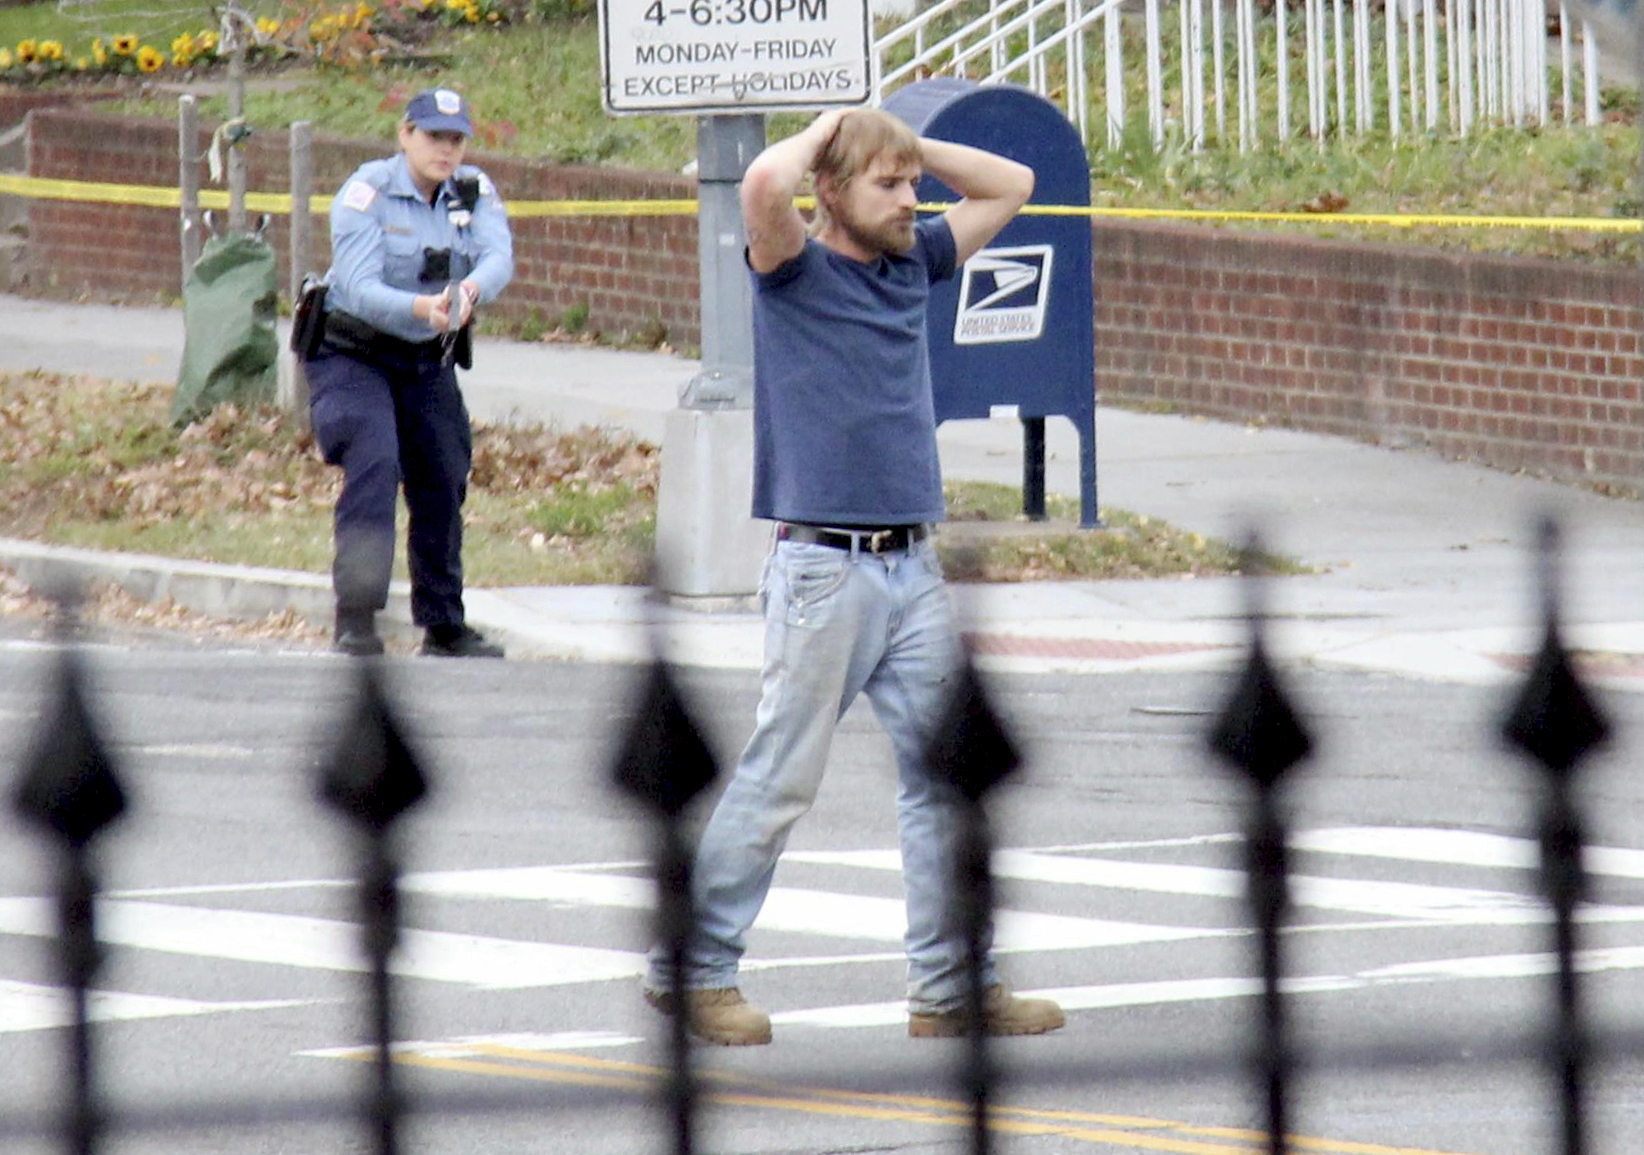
(864, 135)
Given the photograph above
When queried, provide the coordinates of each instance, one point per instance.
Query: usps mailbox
(1016, 327)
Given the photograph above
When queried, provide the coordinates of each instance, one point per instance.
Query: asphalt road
(230, 976)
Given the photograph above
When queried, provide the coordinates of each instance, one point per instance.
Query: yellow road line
(889, 1113)
(736, 1089)
(45, 188)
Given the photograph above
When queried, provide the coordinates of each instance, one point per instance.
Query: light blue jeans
(837, 623)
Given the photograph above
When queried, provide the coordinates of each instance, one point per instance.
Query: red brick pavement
(1587, 663)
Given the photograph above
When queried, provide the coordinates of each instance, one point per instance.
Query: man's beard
(894, 236)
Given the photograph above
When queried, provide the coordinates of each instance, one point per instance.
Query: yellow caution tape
(43, 188)
(1397, 220)
(46, 188)
(520, 209)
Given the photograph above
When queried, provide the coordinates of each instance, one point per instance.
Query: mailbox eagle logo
(1002, 295)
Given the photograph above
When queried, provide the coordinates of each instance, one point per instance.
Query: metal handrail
(1494, 61)
(1000, 32)
(1044, 46)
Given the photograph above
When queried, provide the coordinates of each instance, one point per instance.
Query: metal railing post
(373, 777)
(971, 752)
(1557, 725)
(1259, 734)
(663, 764)
(70, 790)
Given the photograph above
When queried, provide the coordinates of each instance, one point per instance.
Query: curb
(622, 624)
(243, 593)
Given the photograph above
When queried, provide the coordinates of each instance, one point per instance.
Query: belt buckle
(880, 540)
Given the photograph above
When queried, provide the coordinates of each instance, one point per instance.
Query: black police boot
(458, 642)
(356, 634)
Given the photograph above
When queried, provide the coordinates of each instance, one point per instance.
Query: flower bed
(340, 34)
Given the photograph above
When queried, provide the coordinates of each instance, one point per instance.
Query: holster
(308, 318)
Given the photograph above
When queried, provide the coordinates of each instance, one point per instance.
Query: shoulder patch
(358, 195)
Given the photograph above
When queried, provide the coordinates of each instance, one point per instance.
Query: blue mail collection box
(1016, 328)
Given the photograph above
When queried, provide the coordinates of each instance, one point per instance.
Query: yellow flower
(362, 14)
(206, 41)
(183, 45)
(81, 63)
(181, 60)
(5, 58)
(471, 15)
(26, 51)
(150, 59)
(125, 45)
(494, 17)
(267, 25)
(99, 52)
(51, 50)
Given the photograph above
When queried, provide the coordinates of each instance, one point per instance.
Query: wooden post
(234, 26)
(293, 384)
(188, 181)
(302, 190)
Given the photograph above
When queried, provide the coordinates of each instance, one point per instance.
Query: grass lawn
(97, 464)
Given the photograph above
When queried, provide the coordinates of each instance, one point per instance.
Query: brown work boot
(722, 1016)
(1002, 1013)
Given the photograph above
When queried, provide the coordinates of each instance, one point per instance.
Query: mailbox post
(1016, 328)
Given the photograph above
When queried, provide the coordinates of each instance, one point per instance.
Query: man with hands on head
(418, 241)
(845, 463)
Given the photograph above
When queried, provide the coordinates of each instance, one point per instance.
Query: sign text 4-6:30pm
(703, 12)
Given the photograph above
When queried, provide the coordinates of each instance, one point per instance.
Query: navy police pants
(389, 422)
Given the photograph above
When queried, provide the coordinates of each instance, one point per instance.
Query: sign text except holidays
(734, 55)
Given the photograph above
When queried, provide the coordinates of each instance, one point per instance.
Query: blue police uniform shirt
(380, 225)
(844, 419)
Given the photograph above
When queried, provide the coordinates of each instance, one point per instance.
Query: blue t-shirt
(844, 421)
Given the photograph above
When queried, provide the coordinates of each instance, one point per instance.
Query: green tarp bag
(229, 349)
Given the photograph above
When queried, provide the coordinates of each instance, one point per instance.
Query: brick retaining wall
(1519, 364)
(633, 273)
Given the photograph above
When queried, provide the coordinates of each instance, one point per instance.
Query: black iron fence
(70, 789)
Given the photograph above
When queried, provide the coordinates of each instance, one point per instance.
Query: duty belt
(346, 333)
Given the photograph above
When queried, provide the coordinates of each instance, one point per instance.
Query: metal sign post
(707, 543)
(728, 61)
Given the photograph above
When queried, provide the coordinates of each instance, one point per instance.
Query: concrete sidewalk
(1426, 567)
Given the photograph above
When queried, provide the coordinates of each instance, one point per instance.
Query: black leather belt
(888, 539)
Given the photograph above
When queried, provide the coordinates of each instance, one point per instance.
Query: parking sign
(707, 56)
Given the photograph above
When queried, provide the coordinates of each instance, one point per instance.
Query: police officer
(417, 241)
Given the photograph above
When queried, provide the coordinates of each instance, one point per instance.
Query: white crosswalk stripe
(324, 944)
(32, 1007)
(799, 922)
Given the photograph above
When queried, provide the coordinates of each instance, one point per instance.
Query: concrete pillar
(707, 544)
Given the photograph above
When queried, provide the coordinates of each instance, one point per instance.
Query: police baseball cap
(440, 110)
